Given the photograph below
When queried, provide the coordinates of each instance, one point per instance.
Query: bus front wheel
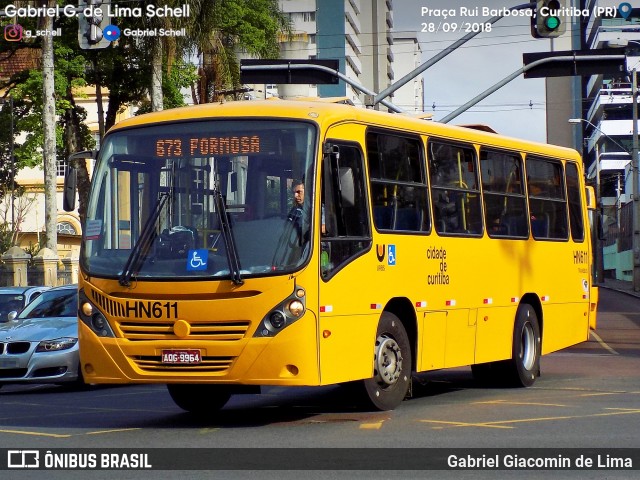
(391, 365)
(199, 399)
(524, 366)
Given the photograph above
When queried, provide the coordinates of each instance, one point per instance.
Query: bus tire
(524, 366)
(199, 399)
(391, 365)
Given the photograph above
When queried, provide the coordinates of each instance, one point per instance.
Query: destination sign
(207, 146)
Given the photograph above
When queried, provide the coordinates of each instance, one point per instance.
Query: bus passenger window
(575, 203)
(455, 189)
(398, 183)
(505, 204)
(547, 202)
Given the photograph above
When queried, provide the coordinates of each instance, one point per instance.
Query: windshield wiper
(142, 246)
(227, 236)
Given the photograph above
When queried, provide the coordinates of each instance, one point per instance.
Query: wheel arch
(402, 308)
(533, 300)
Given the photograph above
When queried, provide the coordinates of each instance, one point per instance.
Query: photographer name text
(108, 10)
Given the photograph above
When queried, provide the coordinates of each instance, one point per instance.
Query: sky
(517, 109)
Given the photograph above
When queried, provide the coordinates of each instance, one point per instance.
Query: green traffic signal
(552, 23)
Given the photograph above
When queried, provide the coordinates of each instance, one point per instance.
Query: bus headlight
(296, 308)
(92, 317)
(277, 320)
(284, 314)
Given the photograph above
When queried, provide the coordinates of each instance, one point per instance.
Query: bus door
(346, 321)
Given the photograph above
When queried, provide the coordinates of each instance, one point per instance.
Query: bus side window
(398, 182)
(455, 189)
(505, 204)
(547, 199)
(575, 202)
(344, 208)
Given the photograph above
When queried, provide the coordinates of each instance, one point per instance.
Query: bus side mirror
(71, 179)
(70, 187)
(591, 198)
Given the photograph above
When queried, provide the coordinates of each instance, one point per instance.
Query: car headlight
(56, 345)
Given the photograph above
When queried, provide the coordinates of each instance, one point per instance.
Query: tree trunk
(49, 150)
(71, 136)
(156, 76)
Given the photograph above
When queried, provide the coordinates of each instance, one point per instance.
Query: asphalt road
(588, 397)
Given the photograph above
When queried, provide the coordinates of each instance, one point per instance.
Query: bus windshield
(220, 199)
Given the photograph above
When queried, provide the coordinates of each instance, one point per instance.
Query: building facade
(607, 126)
(358, 33)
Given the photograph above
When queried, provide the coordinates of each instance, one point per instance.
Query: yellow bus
(416, 246)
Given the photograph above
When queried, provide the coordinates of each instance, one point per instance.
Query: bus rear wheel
(524, 366)
(200, 399)
(391, 365)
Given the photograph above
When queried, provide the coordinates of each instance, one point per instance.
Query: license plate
(181, 357)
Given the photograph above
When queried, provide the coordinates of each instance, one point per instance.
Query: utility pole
(49, 124)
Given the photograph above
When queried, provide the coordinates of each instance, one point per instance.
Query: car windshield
(10, 302)
(53, 303)
(201, 199)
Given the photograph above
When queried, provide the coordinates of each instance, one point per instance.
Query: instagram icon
(13, 32)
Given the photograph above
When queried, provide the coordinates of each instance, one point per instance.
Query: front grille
(208, 365)
(163, 330)
(17, 348)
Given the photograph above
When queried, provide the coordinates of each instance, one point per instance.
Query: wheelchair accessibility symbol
(391, 255)
(197, 259)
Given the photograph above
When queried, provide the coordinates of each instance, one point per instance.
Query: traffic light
(91, 23)
(549, 20)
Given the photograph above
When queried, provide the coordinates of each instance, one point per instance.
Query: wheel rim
(388, 361)
(528, 347)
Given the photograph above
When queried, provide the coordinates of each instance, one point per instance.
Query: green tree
(219, 28)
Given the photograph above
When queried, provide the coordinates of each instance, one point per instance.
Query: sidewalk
(619, 286)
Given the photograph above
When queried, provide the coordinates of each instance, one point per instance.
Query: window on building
(308, 16)
(66, 228)
(61, 166)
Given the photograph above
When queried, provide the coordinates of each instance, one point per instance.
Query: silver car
(40, 345)
(16, 298)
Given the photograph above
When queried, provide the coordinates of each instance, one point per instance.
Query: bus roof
(327, 113)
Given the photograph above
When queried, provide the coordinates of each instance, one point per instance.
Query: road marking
(116, 430)
(463, 424)
(506, 402)
(372, 426)
(505, 423)
(37, 434)
(599, 394)
(603, 344)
